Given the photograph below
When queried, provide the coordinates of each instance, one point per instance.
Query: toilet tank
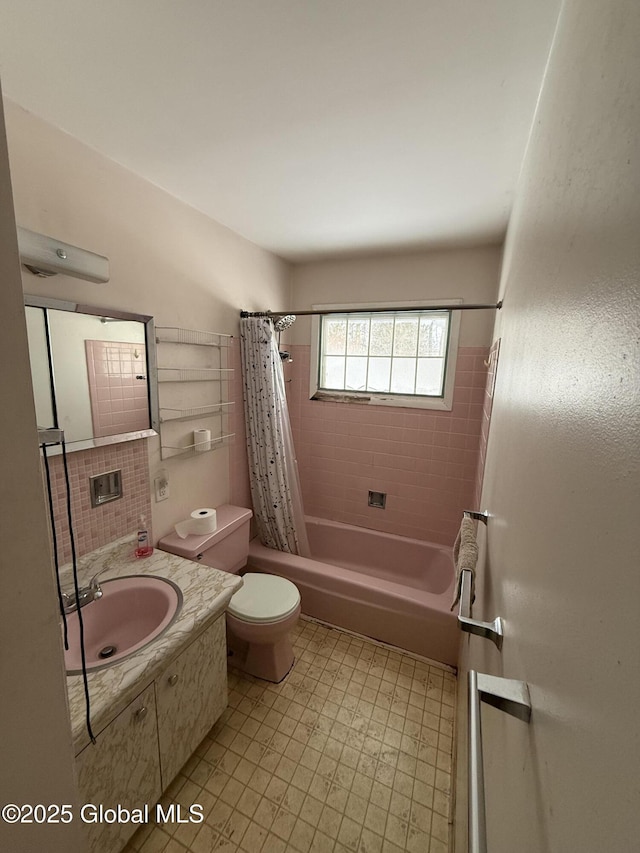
(226, 549)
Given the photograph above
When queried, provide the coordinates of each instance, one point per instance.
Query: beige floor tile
(396, 830)
(350, 753)
(376, 819)
(186, 833)
(337, 797)
(253, 838)
(174, 847)
(322, 843)
(205, 840)
(349, 834)
(311, 810)
(356, 808)
(370, 842)
(283, 824)
(265, 814)
(219, 815)
(156, 841)
(302, 836)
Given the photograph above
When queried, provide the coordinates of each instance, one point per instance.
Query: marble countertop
(206, 593)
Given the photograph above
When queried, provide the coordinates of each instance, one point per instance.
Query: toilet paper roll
(202, 440)
(200, 522)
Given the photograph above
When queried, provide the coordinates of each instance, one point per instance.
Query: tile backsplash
(96, 526)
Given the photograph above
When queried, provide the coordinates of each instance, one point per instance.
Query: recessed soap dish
(378, 499)
(105, 487)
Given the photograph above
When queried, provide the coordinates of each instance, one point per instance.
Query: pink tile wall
(487, 405)
(96, 526)
(119, 397)
(426, 461)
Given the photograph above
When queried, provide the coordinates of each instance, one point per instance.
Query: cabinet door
(121, 768)
(191, 694)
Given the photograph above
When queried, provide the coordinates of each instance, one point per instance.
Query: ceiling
(311, 127)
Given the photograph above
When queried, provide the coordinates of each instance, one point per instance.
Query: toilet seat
(264, 598)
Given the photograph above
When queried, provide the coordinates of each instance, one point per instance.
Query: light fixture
(45, 256)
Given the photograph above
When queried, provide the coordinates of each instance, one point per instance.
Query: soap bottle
(144, 549)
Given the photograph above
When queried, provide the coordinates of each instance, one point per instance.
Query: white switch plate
(162, 488)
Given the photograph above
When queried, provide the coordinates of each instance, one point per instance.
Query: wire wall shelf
(195, 337)
(216, 443)
(194, 374)
(185, 402)
(214, 410)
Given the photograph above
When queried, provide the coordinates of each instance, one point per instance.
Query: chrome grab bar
(509, 696)
(489, 630)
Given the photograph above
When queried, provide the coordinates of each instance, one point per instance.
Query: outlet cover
(161, 485)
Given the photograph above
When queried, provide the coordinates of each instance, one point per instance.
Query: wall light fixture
(45, 256)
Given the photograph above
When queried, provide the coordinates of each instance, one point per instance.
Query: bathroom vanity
(149, 711)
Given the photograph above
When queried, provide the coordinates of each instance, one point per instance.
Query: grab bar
(489, 630)
(509, 696)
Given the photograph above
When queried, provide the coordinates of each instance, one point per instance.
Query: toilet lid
(264, 598)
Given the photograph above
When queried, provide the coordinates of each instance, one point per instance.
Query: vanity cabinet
(121, 768)
(140, 752)
(190, 696)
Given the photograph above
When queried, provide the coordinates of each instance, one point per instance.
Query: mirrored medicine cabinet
(93, 370)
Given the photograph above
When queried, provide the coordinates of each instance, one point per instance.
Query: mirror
(93, 370)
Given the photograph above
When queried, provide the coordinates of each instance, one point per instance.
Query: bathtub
(387, 587)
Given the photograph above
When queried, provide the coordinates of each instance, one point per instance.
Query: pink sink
(131, 613)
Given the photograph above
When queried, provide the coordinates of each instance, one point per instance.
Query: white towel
(465, 556)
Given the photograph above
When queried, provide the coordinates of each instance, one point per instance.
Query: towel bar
(489, 630)
(476, 516)
(509, 696)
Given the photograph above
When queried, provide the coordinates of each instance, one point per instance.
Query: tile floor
(350, 753)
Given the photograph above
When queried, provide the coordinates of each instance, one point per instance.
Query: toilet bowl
(260, 618)
(262, 614)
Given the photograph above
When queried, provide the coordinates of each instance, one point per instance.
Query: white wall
(470, 274)
(166, 259)
(562, 480)
(35, 737)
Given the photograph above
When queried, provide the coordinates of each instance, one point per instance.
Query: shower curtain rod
(459, 307)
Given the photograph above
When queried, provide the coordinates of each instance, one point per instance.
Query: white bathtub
(387, 587)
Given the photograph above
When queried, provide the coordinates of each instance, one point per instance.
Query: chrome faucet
(86, 594)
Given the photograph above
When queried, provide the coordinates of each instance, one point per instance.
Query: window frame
(371, 398)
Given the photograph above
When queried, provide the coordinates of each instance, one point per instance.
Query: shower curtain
(273, 470)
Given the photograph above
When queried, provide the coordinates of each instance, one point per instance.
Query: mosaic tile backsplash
(96, 526)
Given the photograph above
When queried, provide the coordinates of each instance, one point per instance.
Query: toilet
(262, 614)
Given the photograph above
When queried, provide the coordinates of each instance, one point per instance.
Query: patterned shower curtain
(273, 470)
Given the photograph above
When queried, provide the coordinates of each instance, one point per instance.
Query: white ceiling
(312, 127)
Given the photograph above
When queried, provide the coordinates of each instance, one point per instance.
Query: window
(398, 358)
